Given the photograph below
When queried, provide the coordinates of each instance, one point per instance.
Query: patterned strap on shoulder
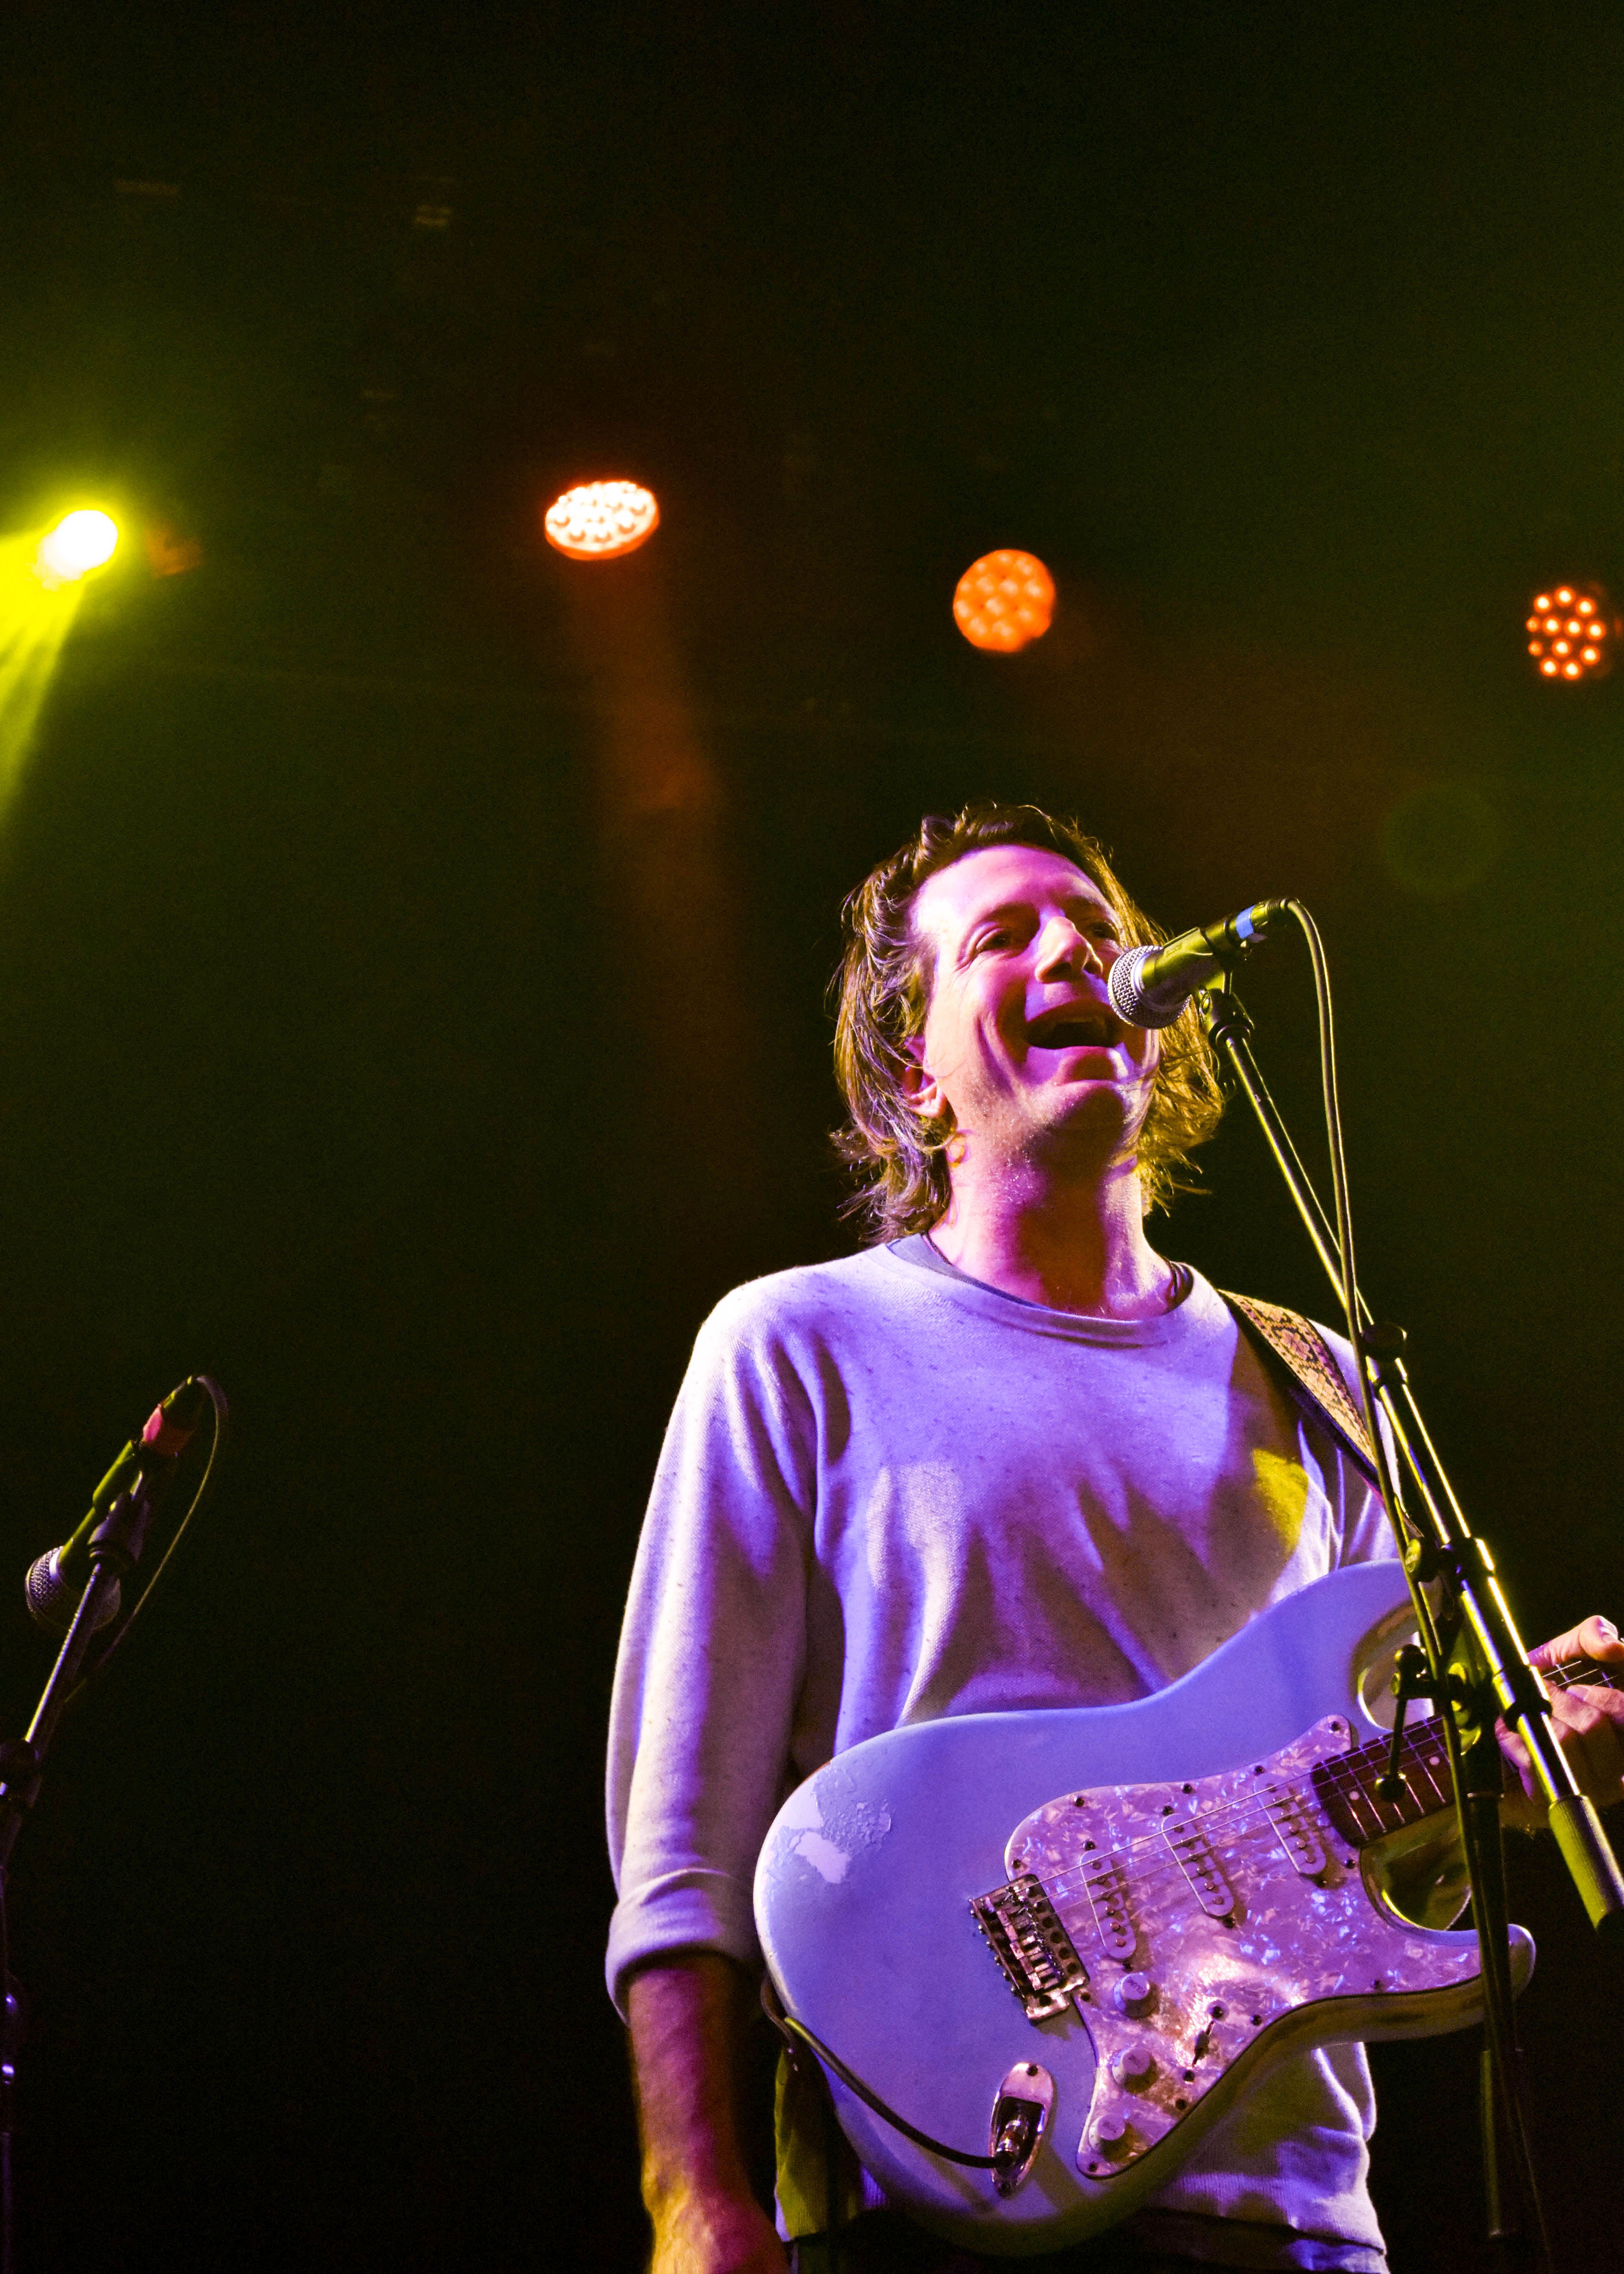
(1316, 1377)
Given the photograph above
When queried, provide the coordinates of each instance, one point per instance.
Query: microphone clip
(1223, 1015)
(121, 1535)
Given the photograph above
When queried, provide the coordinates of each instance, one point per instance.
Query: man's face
(1020, 1041)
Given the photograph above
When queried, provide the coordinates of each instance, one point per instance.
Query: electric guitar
(1064, 1942)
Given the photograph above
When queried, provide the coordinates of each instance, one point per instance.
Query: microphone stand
(114, 1546)
(1477, 1666)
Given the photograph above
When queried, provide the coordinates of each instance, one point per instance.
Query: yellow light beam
(36, 618)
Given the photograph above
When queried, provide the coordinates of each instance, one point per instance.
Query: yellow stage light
(1003, 600)
(42, 586)
(81, 542)
(1574, 630)
(601, 521)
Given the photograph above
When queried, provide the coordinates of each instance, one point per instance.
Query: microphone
(1150, 986)
(146, 1466)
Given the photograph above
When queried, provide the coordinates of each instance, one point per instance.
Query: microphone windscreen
(1144, 1007)
(52, 1600)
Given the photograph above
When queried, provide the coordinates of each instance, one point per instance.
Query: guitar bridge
(1035, 1951)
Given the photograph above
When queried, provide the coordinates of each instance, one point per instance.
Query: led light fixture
(1003, 601)
(1573, 631)
(601, 521)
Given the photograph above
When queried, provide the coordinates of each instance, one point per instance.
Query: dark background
(413, 947)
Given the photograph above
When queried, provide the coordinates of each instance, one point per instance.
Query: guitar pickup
(1189, 1843)
(1294, 1827)
(1035, 1951)
(1102, 1880)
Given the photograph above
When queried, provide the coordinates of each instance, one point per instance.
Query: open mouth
(1074, 1026)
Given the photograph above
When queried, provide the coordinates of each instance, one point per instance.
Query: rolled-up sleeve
(712, 1653)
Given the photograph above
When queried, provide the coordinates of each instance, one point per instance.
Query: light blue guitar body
(1185, 1891)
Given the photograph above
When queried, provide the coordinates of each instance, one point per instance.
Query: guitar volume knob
(1133, 2065)
(1132, 1994)
(1110, 2134)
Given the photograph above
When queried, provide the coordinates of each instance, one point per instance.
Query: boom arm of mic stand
(1453, 1548)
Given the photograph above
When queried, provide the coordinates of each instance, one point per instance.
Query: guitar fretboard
(1346, 1786)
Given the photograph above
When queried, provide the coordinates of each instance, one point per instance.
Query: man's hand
(689, 2014)
(1587, 1723)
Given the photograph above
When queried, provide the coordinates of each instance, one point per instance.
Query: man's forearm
(690, 2015)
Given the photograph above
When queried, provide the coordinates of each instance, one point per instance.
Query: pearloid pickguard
(1219, 1984)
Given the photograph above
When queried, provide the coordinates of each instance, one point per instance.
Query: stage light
(81, 542)
(601, 521)
(1573, 632)
(1003, 600)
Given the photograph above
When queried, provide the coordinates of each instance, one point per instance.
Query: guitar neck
(1346, 1785)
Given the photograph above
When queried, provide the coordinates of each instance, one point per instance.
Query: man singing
(1008, 1457)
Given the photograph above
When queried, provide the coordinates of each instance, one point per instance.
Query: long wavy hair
(899, 1157)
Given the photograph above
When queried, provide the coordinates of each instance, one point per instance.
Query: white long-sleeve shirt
(889, 1493)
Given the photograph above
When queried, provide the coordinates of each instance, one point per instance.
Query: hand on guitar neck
(1585, 1684)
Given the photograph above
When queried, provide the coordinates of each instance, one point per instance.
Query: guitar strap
(1293, 1346)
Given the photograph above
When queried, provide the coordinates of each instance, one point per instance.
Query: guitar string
(1349, 1773)
(1226, 1821)
(1092, 1946)
(1073, 1880)
(1244, 1819)
(1346, 1773)
(1239, 1818)
(1148, 1881)
(1349, 1782)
